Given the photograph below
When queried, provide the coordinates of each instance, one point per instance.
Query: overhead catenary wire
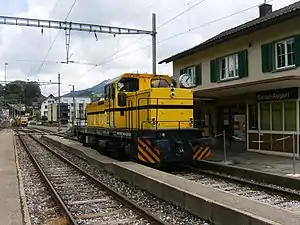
(180, 14)
(110, 58)
(54, 40)
(185, 32)
(54, 8)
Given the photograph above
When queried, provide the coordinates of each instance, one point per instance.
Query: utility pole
(153, 43)
(59, 102)
(74, 106)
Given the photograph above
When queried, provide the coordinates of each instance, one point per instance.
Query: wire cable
(184, 32)
(45, 58)
(209, 23)
(108, 59)
(173, 18)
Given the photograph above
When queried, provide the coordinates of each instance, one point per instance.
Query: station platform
(218, 206)
(52, 129)
(79, 150)
(10, 205)
(280, 165)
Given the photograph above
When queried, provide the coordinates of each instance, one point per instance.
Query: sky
(33, 55)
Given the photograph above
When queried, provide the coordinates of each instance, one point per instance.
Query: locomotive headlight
(172, 94)
(163, 134)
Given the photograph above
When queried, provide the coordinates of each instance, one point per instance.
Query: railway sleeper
(101, 214)
(89, 201)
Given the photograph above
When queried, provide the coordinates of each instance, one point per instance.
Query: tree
(21, 92)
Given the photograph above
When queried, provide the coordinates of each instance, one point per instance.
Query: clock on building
(185, 80)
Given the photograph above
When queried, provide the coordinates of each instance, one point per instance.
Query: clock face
(185, 81)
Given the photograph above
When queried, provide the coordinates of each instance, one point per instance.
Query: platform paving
(218, 206)
(280, 165)
(10, 205)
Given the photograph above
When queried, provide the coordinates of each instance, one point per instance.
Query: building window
(290, 116)
(191, 71)
(285, 54)
(265, 116)
(229, 67)
(253, 117)
(45, 107)
(194, 73)
(284, 116)
(277, 113)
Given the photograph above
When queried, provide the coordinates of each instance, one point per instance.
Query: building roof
(17, 107)
(271, 18)
(51, 95)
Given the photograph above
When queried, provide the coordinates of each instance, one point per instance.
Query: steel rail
(48, 182)
(263, 187)
(121, 198)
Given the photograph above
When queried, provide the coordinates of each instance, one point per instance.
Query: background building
(44, 105)
(67, 110)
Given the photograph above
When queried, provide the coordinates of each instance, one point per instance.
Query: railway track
(45, 132)
(84, 199)
(285, 198)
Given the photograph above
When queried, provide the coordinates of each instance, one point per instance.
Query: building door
(232, 120)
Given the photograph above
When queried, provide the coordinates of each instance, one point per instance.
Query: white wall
(69, 100)
(44, 105)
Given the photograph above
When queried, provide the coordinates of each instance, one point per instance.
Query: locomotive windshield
(157, 83)
(128, 85)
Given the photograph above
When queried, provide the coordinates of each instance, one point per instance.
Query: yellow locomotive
(146, 118)
(24, 121)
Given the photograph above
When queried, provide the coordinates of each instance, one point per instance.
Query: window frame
(192, 70)
(283, 116)
(227, 71)
(285, 41)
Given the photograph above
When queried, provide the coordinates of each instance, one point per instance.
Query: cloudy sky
(25, 49)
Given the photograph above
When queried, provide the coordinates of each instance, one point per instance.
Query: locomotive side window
(109, 92)
(128, 85)
(158, 83)
(106, 92)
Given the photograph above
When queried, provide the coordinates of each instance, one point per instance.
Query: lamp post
(5, 72)
(4, 89)
(74, 106)
(59, 122)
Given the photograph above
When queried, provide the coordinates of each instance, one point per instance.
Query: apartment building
(44, 105)
(67, 110)
(247, 81)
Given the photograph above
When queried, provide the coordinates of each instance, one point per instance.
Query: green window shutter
(198, 70)
(243, 63)
(214, 74)
(185, 70)
(267, 57)
(297, 50)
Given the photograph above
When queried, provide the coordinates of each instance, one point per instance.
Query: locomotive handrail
(130, 122)
(172, 121)
(140, 125)
(138, 111)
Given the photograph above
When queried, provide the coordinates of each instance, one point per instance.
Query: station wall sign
(277, 95)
